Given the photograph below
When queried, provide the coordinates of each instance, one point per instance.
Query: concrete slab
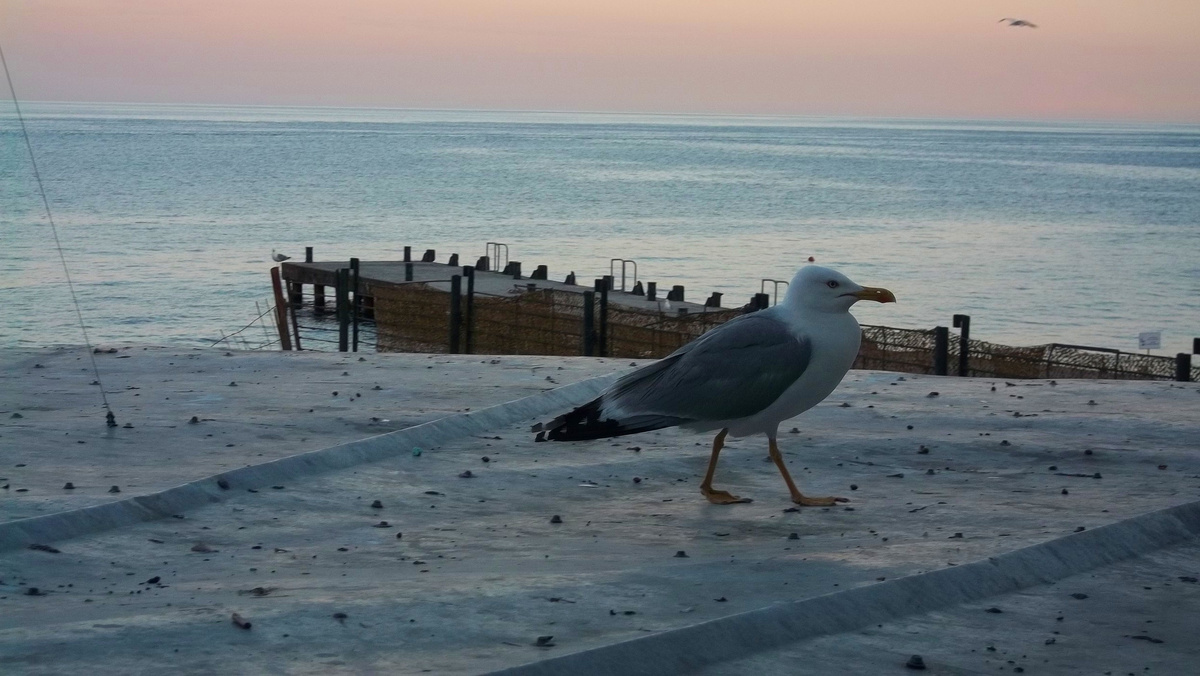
(480, 572)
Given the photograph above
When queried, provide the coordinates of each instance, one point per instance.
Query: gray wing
(733, 371)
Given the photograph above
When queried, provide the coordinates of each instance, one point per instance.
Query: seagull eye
(832, 284)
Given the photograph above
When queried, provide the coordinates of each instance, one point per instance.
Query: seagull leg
(714, 496)
(797, 497)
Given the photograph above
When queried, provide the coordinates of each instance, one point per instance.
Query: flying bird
(1019, 23)
(742, 378)
(278, 257)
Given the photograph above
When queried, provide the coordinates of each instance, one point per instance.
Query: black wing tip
(584, 423)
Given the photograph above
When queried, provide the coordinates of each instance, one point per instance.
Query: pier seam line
(689, 649)
(84, 521)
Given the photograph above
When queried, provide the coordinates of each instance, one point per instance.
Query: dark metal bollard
(714, 300)
(429, 257)
(408, 254)
(308, 254)
(651, 290)
(356, 305)
(342, 302)
(570, 279)
(482, 264)
(540, 272)
(1196, 346)
(1183, 367)
(602, 286)
(676, 293)
(469, 273)
(455, 313)
(589, 323)
(453, 262)
(964, 346)
(762, 301)
(408, 271)
(638, 290)
(941, 350)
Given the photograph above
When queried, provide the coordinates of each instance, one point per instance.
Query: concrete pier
(989, 529)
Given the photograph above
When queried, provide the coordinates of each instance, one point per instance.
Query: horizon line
(776, 116)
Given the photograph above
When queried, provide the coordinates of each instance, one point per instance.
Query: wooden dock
(429, 306)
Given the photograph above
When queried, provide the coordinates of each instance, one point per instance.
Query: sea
(1081, 233)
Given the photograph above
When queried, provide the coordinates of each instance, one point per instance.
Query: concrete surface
(480, 571)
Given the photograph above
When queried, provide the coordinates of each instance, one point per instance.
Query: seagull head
(818, 289)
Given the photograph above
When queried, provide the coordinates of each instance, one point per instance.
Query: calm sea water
(1079, 233)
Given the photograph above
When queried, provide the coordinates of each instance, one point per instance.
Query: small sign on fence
(1150, 340)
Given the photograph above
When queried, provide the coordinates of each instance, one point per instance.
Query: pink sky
(1089, 59)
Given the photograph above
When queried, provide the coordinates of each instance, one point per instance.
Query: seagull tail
(586, 422)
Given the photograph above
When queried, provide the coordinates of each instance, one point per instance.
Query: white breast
(835, 340)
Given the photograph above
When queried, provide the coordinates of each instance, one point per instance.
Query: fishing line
(112, 419)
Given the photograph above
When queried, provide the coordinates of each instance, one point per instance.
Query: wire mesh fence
(417, 317)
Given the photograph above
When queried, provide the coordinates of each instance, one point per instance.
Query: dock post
(430, 256)
(540, 272)
(408, 254)
(295, 293)
(318, 299)
(356, 307)
(453, 262)
(408, 271)
(602, 285)
(469, 273)
(762, 301)
(589, 323)
(342, 303)
(308, 254)
(455, 313)
(281, 320)
(651, 290)
(1183, 367)
(676, 293)
(941, 350)
(295, 326)
(964, 347)
(714, 300)
(482, 264)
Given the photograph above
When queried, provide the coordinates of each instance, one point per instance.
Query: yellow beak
(876, 294)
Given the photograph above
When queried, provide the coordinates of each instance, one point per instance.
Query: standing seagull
(278, 257)
(1019, 23)
(743, 377)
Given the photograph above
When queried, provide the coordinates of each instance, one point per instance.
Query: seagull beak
(876, 294)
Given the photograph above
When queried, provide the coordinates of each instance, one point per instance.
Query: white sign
(1150, 340)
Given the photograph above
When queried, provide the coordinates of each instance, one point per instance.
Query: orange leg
(714, 496)
(798, 497)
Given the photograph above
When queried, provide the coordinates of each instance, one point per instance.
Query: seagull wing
(733, 371)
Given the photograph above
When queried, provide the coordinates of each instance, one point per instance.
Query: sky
(1087, 60)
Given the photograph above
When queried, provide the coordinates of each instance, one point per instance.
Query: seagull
(278, 257)
(742, 378)
(1019, 23)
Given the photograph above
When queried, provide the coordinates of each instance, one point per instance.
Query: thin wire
(57, 244)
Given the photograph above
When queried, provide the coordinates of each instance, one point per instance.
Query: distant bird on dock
(1019, 23)
(743, 377)
(278, 257)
